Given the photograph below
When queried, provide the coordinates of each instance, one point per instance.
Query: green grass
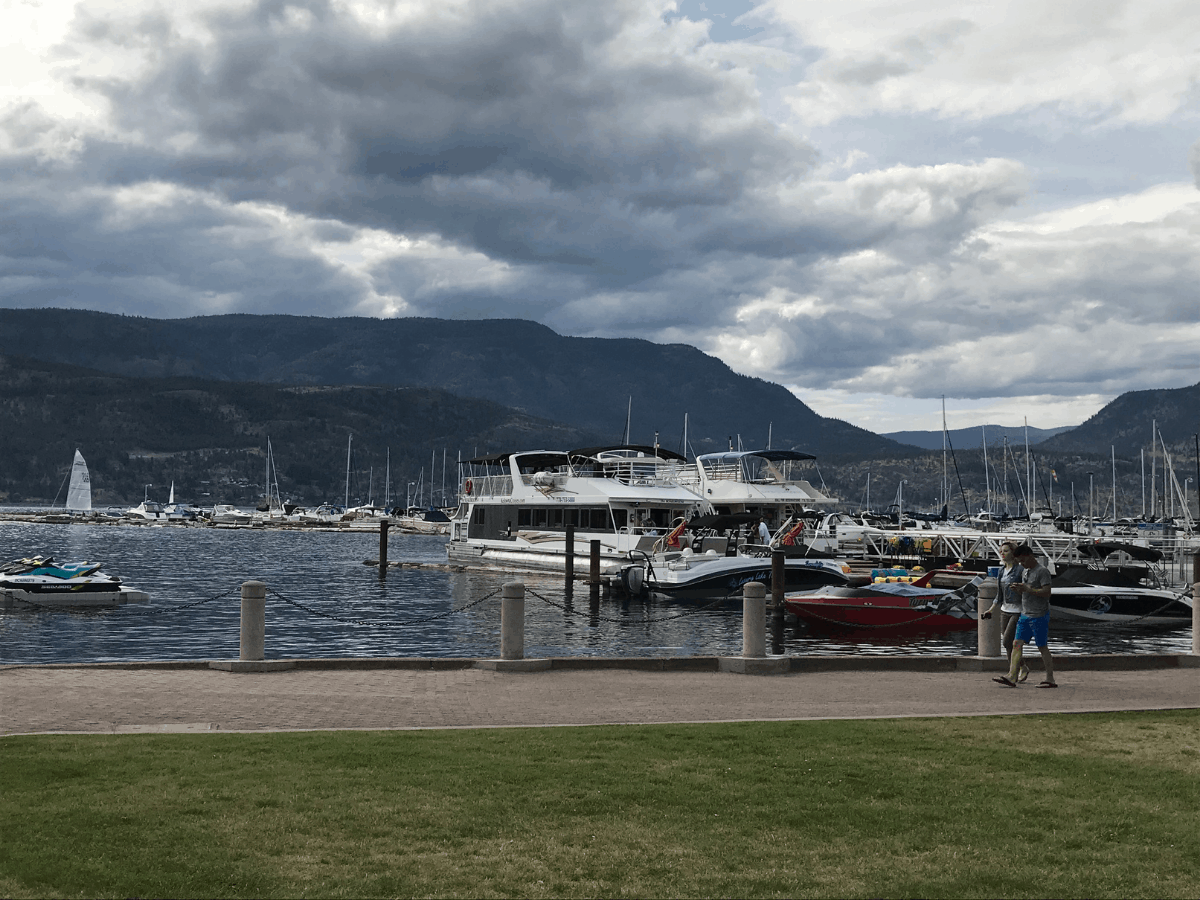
(1083, 805)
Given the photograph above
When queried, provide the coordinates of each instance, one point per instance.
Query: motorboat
(515, 508)
(1119, 584)
(687, 575)
(893, 607)
(40, 581)
(227, 515)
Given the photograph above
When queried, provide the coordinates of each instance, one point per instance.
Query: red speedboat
(891, 606)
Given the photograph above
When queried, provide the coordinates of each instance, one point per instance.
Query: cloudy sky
(875, 204)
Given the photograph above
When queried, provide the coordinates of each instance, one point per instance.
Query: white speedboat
(687, 575)
(40, 581)
(224, 514)
(515, 507)
(1119, 586)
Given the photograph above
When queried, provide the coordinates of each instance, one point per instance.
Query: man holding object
(1034, 624)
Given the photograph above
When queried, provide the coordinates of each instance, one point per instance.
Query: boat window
(524, 518)
(477, 516)
(556, 518)
(621, 516)
(539, 518)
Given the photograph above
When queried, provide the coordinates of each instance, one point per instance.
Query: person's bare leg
(1048, 662)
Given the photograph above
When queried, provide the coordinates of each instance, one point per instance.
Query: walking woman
(1009, 602)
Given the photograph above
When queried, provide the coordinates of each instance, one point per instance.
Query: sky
(877, 205)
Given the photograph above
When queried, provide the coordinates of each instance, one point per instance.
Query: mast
(349, 441)
(1114, 476)
(770, 426)
(432, 469)
(945, 471)
(987, 477)
(443, 476)
(628, 418)
(387, 480)
(1031, 500)
(685, 424)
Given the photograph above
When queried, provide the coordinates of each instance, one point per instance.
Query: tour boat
(40, 581)
(514, 508)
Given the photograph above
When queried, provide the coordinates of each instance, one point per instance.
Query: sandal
(1023, 675)
(1003, 679)
(1048, 684)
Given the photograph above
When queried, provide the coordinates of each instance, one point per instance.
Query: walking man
(1034, 624)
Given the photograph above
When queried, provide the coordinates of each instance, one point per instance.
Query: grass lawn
(1075, 805)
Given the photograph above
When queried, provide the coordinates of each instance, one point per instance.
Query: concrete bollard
(989, 629)
(754, 620)
(1196, 619)
(512, 621)
(252, 636)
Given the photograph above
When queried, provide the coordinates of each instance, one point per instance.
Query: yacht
(1118, 584)
(515, 507)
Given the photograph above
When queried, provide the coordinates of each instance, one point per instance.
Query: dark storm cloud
(549, 132)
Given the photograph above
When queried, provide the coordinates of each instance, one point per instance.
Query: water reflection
(324, 573)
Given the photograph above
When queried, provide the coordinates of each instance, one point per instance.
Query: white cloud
(608, 170)
(1114, 61)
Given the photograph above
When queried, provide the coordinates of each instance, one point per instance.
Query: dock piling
(252, 635)
(778, 583)
(512, 620)
(569, 574)
(594, 574)
(383, 547)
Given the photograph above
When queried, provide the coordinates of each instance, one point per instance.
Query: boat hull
(1094, 605)
(848, 609)
(729, 575)
(16, 597)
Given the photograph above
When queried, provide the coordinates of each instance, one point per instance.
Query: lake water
(324, 571)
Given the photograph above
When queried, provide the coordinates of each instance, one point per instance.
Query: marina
(193, 576)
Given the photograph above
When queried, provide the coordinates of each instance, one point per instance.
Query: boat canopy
(531, 460)
(632, 450)
(1103, 549)
(772, 455)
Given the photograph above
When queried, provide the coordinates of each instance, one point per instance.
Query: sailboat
(79, 492)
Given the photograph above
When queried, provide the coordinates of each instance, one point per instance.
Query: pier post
(988, 629)
(569, 574)
(778, 584)
(383, 546)
(512, 620)
(252, 637)
(754, 620)
(594, 574)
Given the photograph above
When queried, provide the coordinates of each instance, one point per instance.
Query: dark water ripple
(324, 571)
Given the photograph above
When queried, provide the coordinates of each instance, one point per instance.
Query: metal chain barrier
(847, 626)
(406, 624)
(619, 621)
(1178, 598)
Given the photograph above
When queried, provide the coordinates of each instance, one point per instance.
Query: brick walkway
(132, 699)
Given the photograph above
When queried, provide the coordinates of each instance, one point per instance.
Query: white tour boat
(515, 507)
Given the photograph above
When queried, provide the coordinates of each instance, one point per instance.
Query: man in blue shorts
(1034, 624)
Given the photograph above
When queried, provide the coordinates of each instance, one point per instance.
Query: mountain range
(194, 400)
(962, 438)
(594, 384)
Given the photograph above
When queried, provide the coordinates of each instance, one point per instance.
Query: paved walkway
(124, 700)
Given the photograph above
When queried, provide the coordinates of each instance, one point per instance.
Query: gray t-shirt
(1031, 604)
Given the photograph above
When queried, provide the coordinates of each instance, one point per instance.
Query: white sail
(79, 492)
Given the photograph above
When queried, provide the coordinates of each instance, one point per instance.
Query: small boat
(687, 575)
(1119, 585)
(40, 581)
(225, 514)
(892, 606)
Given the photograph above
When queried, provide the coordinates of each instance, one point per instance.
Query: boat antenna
(628, 418)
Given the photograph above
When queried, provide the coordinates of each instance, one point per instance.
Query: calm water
(325, 571)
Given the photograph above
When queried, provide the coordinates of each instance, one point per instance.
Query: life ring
(467, 485)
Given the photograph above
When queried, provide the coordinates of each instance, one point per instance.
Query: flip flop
(1004, 681)
(1023, 675)
(1048, 684)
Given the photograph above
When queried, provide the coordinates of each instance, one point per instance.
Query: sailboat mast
(945, 471)
(1153, 469)
(387, 480)
(628, 418)
(685, 424)
(1031, 500)
(443, 476)
(349, 441)
(987, 475)
(1114, 473)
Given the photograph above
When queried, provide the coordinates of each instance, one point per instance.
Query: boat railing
(642, 472)
(723, 471)
(488, 486)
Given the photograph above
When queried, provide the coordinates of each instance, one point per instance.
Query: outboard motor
(633, 580)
